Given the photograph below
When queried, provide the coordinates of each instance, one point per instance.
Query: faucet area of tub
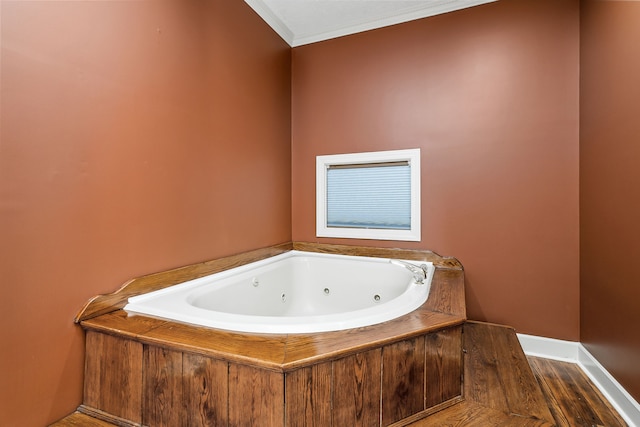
(288, 376)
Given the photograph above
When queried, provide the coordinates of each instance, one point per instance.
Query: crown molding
(422, 9)
(419, 12)
(272, 20)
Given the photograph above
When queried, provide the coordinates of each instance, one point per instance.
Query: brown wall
(490, 95)
(610, 187)
(136, 137)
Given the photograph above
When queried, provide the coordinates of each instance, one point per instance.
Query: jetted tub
(295, 292)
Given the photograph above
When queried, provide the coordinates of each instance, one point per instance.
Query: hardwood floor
(499, 388)
(503, 388)
(81, 420)
(571, 396)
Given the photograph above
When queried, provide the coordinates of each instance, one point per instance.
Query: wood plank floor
(499, 386)
(78, 419)
(502, 388)
(505, 388)
(571, 396)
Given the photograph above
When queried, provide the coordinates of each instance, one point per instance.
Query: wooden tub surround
(141, 370)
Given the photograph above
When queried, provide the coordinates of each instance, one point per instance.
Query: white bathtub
(296, 292)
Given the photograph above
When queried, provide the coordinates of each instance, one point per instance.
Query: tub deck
(284, 352)
(138, 366)
(445, 307)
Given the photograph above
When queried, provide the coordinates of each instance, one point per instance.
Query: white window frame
(323, 163)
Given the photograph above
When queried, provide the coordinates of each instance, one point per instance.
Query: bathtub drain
(284, 297)
(376, 298)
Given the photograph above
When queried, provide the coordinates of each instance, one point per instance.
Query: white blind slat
(375, 196)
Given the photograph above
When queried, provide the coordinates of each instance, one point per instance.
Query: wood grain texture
(308, 396)
(256, 397)
(485, 388)
(443, 366)
(499, 389)
(106, 417)
(206, 391)
(471, 414)
(103, 304)
(113, 376)
(356, 390)
(163, 393)
(403, 379)
(573, 399)
(447, 293)
(260, 350)
(121, 323)
(78, 419)
(307, 348)
(409, 254)
(502, 378)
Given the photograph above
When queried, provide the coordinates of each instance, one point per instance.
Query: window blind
(374, 195)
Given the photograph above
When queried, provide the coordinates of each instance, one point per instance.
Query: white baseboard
(575, 352)
(549, 348)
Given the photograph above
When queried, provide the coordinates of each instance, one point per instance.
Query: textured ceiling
(301, 22)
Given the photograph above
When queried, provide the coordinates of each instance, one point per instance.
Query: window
(369, 195)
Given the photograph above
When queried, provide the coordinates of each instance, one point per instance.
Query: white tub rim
(290, 324)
